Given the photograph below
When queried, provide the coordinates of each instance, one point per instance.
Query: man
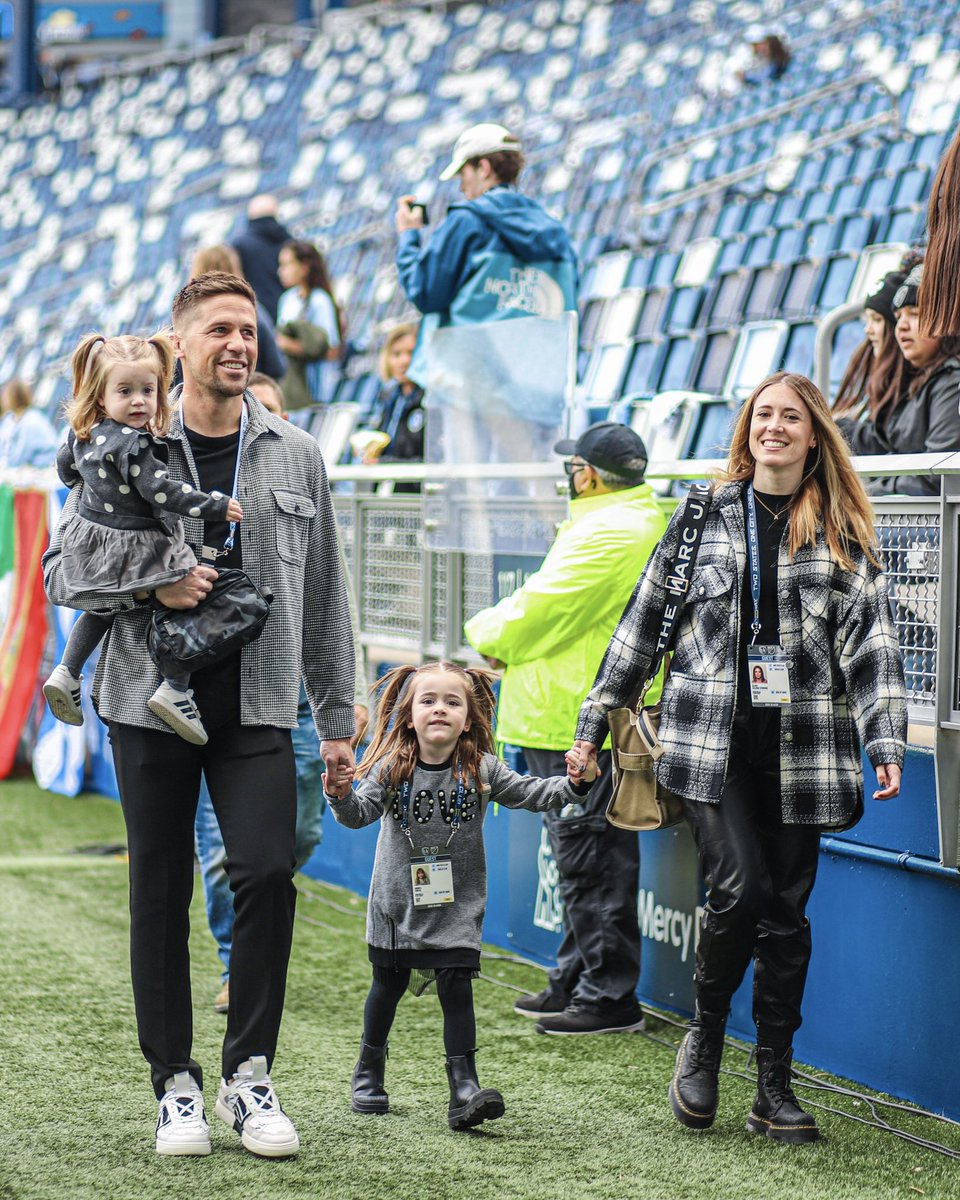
(288, 545)
(211, 853)
(497, 255)
(259, 250)
(551, 635)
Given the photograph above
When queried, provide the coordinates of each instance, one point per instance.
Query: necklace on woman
(776, 514)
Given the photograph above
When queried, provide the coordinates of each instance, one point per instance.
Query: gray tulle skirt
(96, 558)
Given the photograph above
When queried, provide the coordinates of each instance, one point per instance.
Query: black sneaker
(542, 1004)
(574, 1020)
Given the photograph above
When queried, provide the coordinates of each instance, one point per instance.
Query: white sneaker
(250, 1106)
(182, 1124)
(178, 710)
(62, 692)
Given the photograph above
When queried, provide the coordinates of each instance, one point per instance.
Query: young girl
(125, 538)
(428, 776)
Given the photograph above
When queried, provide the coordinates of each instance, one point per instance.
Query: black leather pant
(759, 874)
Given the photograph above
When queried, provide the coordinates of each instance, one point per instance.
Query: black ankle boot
(694, 1088)
(369, 1095)
(470, 1104)
(776, 1111)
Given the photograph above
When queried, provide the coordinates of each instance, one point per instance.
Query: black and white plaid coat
(846, 677)
(288, 538)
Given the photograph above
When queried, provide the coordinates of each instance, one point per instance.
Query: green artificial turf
(586, 1117)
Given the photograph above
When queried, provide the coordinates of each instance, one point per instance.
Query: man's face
(217, 345)
(475, 180)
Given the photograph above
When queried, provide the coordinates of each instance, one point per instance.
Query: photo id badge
(768, 676)
(432, 880)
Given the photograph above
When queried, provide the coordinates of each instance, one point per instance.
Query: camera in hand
(415, 205)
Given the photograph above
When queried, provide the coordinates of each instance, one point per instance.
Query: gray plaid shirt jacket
(846, 676)
(288, 538)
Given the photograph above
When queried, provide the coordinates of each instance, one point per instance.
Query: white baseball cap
(477, 141)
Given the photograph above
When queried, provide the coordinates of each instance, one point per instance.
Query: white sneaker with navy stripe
(182, 1124)
(177, 709)
(62, 693)
(249, 1105)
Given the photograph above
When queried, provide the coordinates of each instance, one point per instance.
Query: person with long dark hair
(310, 326)
(924, 416)
(787, 577)
(875, 368)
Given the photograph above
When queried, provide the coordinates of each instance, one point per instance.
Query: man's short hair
(505, 164)
(619, 483)
(202, 287)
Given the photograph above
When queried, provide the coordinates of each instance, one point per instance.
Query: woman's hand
(888, 776)
(582, 763)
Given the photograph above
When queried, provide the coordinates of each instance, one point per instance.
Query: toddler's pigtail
(166, 358)
(386, 738)
(82, 410)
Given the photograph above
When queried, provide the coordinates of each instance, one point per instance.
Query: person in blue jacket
(497, 255)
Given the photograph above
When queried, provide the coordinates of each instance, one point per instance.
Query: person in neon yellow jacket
(551, 635)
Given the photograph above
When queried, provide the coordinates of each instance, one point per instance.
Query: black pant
(598, 963)
(454, 991)
(250, 772)
(759, 874)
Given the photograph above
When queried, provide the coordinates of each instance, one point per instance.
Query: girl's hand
(234, 511)
(888, 776)
(582, 763)
(337, 790)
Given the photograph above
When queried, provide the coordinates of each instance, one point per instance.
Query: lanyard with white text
(753, 552)
(209, 553)
(458, 799)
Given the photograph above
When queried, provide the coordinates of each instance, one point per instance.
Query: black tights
(455, 992)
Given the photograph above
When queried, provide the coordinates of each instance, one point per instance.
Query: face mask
(574, 494)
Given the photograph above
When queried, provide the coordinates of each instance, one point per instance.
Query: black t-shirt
(771, 532)
(217, 688)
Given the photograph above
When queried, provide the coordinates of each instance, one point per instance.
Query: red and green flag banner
(23, 611)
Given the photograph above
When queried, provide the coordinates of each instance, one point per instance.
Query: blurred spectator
(770, 57)
(498, 254)
(309, 326)
(876, 366)
(924, 418)
(400, 414)
(939, 295)
(27, 438)
(551, 634)
(224, 258)
(259, 250)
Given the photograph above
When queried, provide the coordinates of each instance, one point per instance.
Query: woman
(310, 328)
(760, 783)
(875, 367)
(27, 439)
(224, 258)
(925, 417)
(400, 414)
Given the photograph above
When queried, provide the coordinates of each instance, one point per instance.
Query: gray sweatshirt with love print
(393, 922)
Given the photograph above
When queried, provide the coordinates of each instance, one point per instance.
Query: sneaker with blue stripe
(181, 1123)
(249, 1105)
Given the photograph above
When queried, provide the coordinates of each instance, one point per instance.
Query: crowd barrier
(884, 970)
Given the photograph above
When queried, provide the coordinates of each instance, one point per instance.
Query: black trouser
(454, 991)
(759, 874)
(252, 781)
(598, 963)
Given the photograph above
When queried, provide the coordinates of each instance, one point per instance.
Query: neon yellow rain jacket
(554, 630)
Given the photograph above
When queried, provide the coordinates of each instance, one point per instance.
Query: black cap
(609, 446)
(909, 290)
(881, 301)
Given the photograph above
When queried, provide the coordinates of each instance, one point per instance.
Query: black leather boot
(776, 1111)
(695, 1086)
(470, 1104)
(369, 1095)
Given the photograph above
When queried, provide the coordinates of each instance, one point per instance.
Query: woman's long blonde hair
(830, 496)
(394, 743)
(91, 363)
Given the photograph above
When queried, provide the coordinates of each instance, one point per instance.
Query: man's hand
(406, 216)
(582, 762)
(337, 754)
(188, 591)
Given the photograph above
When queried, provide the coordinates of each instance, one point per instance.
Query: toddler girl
(428, 776)
(124, 538)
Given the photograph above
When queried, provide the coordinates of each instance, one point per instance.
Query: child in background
(125, 538)
(428, 776)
